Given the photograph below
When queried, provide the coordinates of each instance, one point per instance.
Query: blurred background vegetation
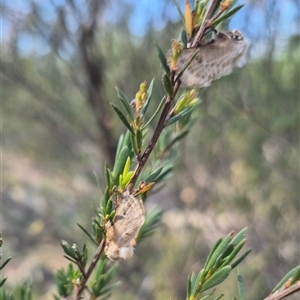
(239, 166)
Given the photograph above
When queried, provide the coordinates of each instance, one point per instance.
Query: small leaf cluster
(98, 286)
(218, 265)
(73, 254)
(65, 281)
(134, 121)
(153, 219)
(192, 19)
(132, 144)
(22, 292)
(2, 265)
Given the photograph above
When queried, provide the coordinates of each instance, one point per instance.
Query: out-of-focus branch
(284, 292)
(94, 71)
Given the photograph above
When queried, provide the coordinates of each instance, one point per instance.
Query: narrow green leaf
(200, 8)
(126, 167)
(239, 260)
(107, 176)
(227, 15)
(146, 104)
(188, 288)
(109, 275)
(167, 85)
(227, 251)
(85, 254)
(108, 207)
(70, 259)
(218, 252)
(296, 276)
(105, 199)
(96, 222)
(120, 162)
(220, 260)
(153, 219)
(241, 286)
(122, 118)
(201, 11)
(178, 137)
(127, 178)
(183, 38)
(179, 116)
(127, 140)
(219, 297)
(153, 175)
(68, 249)
(112, 214)
(218, 242)
(125, 104)
(120, 181)
(98, 181)
(162, 102)
(239, 237)
(102, 267)
(98, 231)
(203, 298)
(197, 283)
(139, 139)
(120, 144)
(2, 282)
(234, 253)
(77, 252)
(166, 170)
(134, 144)
(87, 233)
(107, 289)
(216, 278)
(289, 275)
(6, 262)
(206, 296)
(193, 278)
(163, 59)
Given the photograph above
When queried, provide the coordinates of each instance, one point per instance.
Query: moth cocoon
(122, 231)
(214, 59)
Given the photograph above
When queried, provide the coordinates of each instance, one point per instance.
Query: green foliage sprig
(218, 265)
(133, 152)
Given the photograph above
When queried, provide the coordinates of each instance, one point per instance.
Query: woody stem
(81, 286)
(158, 130)
(205, 22)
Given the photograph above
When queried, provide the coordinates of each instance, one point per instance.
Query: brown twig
(205, 22)
(217, 15)
(284, 292)
(81, 285)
